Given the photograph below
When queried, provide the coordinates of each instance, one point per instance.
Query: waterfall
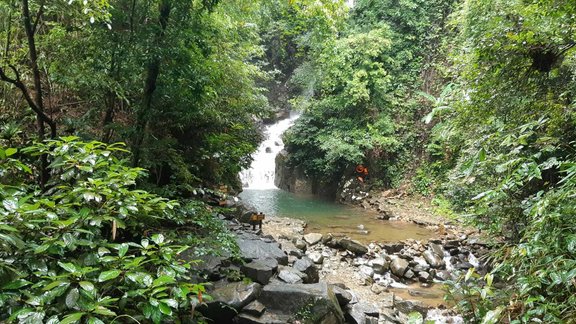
(262, 170)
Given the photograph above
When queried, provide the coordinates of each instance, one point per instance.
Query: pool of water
(328, 217)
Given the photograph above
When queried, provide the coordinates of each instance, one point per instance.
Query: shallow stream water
(328, 217)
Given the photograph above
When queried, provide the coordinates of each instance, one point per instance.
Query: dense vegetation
(469, 101)
(481, 93)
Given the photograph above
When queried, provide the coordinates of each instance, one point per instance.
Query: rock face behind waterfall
(295, 180)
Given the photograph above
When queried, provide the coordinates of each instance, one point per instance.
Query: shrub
(91, 247)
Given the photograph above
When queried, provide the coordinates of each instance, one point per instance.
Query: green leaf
(163, 280)
(11, 204)
(108, 275)
(123, 248)
(70, 267)
(100, 310)
(54, 284)
(13, 240)
(165, 309)
(492, 316)
(94, 320)
(41, 248)
(87, 285)
(157, 238)
(10, 151)
(16, 284)
(72, 318)
(72, 298)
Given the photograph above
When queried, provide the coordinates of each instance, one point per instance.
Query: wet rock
(255, 308)
(268, 150)
(327, 238)
(392, 248)
(217, 312)
(344, 296)
(452, 244)
(380, 265)
(437, 249)
(409, 274)
(237, 294)
(291, 275)
(357, 313)
(318, 299)
(312, 238)
(316, 257)
(306, 266)
(210, 265)
(398, 266)
(260, 270)
(366, 270)
(423, 294)
(354, 246)
(424, 276)
(443, 275)
(409, 306)
(464, 266)
(291, 249)
(299, 244)
(432, 259)
(251, 247)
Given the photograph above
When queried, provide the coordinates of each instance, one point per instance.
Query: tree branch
(38, 16)
(17, 82)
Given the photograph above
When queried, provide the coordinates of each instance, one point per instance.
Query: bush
(91, 247)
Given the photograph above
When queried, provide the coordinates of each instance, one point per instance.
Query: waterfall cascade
(262, 170)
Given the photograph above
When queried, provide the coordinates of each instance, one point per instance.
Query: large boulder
(353, 246)
(360, 312)
(316, 303)
(437, 249)
(344, 296)
(260, 270)
(227, 299)
(433, 259)
(252, 247)
(210, 265)
(380, 265)
(307, 266)
(236, 294)
(410, 306)
(398, 266)
(291, 275)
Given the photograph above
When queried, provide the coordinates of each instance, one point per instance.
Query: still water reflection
(328, 217)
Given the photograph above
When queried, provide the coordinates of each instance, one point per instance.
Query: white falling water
(262, 170)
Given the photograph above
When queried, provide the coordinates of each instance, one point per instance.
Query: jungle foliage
(511, 116)
(480, 92)
(91, 248)
(361, 90)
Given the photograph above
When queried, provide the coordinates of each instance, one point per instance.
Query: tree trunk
(152, 73)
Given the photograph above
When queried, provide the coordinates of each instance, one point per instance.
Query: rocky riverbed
(303, 277)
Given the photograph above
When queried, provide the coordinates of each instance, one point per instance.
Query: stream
(321, 216)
